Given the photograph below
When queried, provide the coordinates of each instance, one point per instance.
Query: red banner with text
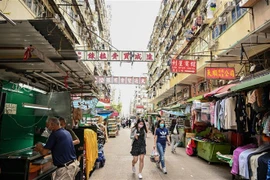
(225, 73)
(121, 80)
(184, 66)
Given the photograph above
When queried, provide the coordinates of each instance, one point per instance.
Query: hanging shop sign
(126, 56)
(120, 80)
(224, 73)
(105, 100)
(184, 66)
(139, 107)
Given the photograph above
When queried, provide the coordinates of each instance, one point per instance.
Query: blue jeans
(161, 150)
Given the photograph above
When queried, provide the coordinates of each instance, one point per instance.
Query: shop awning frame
(219, 90)
(249, 84)
(195, 98)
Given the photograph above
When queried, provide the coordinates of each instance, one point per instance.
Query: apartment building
(46, 34)
(139, 104)
(213, 33)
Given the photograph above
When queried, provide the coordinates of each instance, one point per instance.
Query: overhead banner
(120, 80)
(127, 56)
(105, 100)
(183, 66)
(223, 73)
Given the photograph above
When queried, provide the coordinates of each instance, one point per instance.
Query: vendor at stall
(63, 124)
(63, 152)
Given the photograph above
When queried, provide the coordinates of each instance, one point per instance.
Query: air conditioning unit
(229, 6)
(221, 20)
(212, 44)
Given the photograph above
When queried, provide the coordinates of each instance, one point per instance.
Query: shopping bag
(154, 156)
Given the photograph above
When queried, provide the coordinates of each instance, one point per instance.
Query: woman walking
(174, 129)
(138, 151)
(161, 137)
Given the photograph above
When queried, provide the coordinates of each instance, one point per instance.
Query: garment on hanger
(229, 113)
(253, 163)
(91, 150)
(263, 166)
(243, 162)
(253, 155)
(222, 114)
(236, 153)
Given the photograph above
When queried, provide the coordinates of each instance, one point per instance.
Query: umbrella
(103, 105)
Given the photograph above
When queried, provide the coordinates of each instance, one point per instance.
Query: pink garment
(212, 113)
(236, 153)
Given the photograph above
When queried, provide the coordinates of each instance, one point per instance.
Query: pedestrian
(129, 123)
(138, 150)
(63, 124)
(174, 130)
(158, 118)
(63, 152)
(161, 137)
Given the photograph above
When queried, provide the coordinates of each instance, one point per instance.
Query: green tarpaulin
(195, 98)
(249, 84)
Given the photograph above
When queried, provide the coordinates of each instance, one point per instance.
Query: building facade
(46, 34)
(213, 33)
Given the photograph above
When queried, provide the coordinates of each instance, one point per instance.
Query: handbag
(175, 130)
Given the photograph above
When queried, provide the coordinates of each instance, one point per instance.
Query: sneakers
(140, 176)
(133, 169)
(164, 170)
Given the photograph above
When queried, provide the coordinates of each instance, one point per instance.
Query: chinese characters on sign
(128, 56)
(105, 100)
(183, 66)
(120, 80)
(225, 73)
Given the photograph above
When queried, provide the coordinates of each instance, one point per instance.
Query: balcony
(248, 3)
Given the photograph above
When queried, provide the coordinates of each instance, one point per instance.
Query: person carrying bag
(174, 135)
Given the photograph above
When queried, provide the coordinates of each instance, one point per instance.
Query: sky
(131, 27)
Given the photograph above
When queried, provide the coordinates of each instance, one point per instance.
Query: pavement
(179, 166)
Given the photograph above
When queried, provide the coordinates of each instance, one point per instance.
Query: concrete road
(179, 166)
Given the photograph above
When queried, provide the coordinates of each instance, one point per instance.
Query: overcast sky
(131, 27)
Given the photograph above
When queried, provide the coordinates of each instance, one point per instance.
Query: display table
(26, 164)
(207, 150)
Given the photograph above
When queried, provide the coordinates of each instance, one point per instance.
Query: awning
(249, 84)
(177, 106)
(103, 105)
(195, 98)
(175, 113)
(219, 90)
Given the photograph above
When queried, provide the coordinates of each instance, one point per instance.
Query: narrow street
(179, 166)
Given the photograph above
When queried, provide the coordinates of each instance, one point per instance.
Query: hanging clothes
(251, 162)
(91, 150)
(229, 113)
(243, 162)
(254, 165)
(221, 114)
(216, 119)
(236, 153)
(263, 166)
(240, 112)
(212, 113)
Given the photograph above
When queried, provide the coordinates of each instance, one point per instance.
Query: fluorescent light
(32, 88)
(36, 106)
